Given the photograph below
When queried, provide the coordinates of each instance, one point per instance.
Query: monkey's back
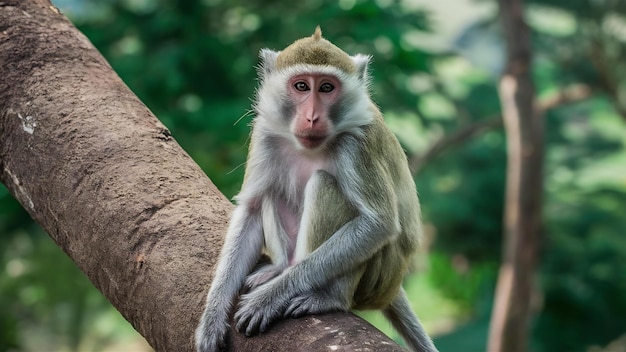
(384, 273)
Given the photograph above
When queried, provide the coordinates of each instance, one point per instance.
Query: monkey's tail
(401, 316)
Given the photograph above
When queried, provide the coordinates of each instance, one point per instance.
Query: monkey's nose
(312, 119)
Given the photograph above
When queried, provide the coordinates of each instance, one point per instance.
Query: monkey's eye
(301, 86)
(326, 88)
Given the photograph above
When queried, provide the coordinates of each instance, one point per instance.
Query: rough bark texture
(522, 216)
(106, 180)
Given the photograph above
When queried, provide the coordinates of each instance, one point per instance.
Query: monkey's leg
(326, 210)
(337, 296)
(264, 271)
(263, 274)
(275, 238)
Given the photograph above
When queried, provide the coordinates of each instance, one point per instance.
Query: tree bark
(94, 167)
(524, 186)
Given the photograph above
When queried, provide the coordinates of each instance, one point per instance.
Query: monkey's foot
(263, 275)
(314, 303)
(258, 309)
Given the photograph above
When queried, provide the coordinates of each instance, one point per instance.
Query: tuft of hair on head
(317, 35)
(317, 51)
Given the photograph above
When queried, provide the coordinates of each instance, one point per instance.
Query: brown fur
(315, 50)
(378, 281)
(392, 185)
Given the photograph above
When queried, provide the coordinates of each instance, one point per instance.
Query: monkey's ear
(268, 62)
(362, 62)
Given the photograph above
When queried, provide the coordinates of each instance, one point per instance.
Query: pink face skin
(313, 96)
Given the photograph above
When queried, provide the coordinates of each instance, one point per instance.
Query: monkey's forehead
(304, 68)
(315, 51)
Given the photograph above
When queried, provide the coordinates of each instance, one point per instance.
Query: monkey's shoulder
(381, 143)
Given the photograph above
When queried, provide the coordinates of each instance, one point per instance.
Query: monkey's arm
(274, 239)
(241, 251)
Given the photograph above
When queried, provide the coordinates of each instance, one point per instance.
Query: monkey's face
(308, 99)
(314, 97)
(309, 106)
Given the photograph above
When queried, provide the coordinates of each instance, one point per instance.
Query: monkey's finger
(242, 322)
(247, 323)
(259, 322)
(293, 307)
(295, 312)
(289, 311)
(296, 308)
(253, 325)
(298, 312)
(265, 323)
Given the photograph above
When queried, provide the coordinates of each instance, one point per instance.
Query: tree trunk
(522, 214)
(106, 180)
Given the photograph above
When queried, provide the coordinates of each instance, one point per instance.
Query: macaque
(327, 196)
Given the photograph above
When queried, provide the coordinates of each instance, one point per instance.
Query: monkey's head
(312, 91)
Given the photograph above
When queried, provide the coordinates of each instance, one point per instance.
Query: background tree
(524, 186)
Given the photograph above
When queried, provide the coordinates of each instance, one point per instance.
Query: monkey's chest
(290, 204)
(303, 168)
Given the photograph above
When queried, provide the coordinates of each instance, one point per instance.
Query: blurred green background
(435, 71)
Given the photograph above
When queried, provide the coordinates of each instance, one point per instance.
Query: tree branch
(450, 140)
(94, 167)
(568, 95)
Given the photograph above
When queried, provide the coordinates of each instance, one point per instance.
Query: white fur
(302, 246)
(272, 95)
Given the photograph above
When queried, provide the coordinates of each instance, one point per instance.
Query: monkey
(327, 195)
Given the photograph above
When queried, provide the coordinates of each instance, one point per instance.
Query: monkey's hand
(263, 275)
(258, 309)
(213, 329)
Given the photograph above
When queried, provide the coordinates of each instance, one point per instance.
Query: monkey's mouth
(311, 141)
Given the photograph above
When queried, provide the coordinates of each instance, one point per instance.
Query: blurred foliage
(434, 72)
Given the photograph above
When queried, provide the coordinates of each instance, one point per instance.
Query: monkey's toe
(313, 303)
